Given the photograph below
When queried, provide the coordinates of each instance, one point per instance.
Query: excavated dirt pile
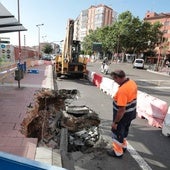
(52, 110)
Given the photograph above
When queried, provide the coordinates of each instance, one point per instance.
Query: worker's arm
(119, 115)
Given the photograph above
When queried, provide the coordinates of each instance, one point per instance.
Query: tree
(47, 49)
(136, 36)
(87, 43)
(128, 35)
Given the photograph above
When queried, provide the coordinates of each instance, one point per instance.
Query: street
(154, 84)
(148, 148)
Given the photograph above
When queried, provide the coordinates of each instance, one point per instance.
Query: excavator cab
(75, 50)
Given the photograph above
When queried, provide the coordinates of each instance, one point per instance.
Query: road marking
(153, 80)
(155, 87)
(142, 163)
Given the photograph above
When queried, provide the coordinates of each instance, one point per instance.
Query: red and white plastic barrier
(108, 86)
(97, 79)
(149, 107)
(40, 62)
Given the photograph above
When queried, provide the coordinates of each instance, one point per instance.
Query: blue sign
(9, 161)
(2, 45)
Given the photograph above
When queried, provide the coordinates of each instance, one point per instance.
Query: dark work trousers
(123, 126)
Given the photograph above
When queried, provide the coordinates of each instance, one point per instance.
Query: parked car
(53, 56)
(138, 63)
(47, 57)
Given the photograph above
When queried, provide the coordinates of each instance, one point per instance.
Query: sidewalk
(13, 106)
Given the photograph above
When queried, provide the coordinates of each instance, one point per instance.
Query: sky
(54, 14)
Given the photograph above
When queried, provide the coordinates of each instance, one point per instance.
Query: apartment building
(93, 18)
(99, 16)
(164, 19)
(80, 26)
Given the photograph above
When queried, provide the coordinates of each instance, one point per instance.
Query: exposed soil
(50, 111)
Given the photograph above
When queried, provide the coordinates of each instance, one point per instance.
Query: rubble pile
(51, 111)
(82, 124)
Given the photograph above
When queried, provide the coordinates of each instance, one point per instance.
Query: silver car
(138, 63)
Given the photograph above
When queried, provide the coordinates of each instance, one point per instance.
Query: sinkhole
(50, 111)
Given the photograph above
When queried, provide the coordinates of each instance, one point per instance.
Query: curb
(156, 72)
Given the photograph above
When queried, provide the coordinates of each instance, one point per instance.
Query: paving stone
(14, 102)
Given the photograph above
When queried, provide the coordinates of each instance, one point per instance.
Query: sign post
(97, 48)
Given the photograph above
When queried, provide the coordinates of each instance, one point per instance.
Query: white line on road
(148, 80)
(155, 87)
(138, 158)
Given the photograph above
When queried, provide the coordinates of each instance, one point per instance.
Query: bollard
(25, 66)
(18, 76)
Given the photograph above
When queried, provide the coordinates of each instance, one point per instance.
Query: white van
(138, 63)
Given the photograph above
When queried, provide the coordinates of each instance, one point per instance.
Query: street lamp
(39, 25)
(19, 35)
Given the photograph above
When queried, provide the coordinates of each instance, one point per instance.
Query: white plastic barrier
(48, 71)
(166, 124)
(91, 76)
(7, 71)
(108, 86)
(48, 81)
(151, 108)
(36, 63)
(40, 62)
(114, 89)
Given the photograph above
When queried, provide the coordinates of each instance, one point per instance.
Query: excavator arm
(70, 63)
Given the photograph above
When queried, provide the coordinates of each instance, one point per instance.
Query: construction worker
(124, 111)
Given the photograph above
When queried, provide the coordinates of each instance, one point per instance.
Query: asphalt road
(148, 148)
(157, 85)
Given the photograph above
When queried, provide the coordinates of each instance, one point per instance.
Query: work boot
(112, 153)
(124, 150)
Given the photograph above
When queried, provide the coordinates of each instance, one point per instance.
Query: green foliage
(128, 34)
(47, 49)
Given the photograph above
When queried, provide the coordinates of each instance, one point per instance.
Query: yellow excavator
(70, 63)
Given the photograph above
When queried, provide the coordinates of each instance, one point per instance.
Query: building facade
(80, 26)
(99, 16)
(164, 19)
(93, 18)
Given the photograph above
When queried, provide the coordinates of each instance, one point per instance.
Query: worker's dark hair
(118, 73)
